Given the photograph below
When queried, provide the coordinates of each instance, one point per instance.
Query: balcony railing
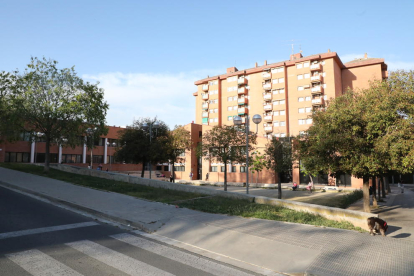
(266, 75)
(205, 96)
(242, 101)
(242, 81)
(268, 129)
(267, 86)
(268, 107)
(205, 114)
(317, 89)
(267, 96)
(205, 87)
(204, 106)
(316, 78)
(242, 110)
(317, 102)
(268, 118)
(242, 90)
(315, 67)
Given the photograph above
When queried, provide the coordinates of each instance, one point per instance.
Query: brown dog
(377, 225)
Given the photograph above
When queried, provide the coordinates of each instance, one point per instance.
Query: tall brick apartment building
(283, 93)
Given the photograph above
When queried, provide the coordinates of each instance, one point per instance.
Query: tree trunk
(143, 169)
(225, 176)
(382, 187)
(379, 181)
(47, 155)
(374, 192)
(365, 189)
(386, 184)
(279, 185)
(388, 187)
(173, 173)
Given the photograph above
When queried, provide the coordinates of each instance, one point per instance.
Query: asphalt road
(38, 238)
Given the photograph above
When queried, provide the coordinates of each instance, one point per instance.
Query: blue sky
(147, 54)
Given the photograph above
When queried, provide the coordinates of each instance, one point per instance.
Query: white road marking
(38, 263)
(115, 259)
(179, 256)
(45, 229)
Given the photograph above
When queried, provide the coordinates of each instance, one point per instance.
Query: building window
(242, 168)
(158, 168)
(229, 99)
(222, 168)
(216, 120)
(282, 112)
(282, 123)
(306, 64)
(211, 120)
(282, 102)
(282, 134)
(308, 109)
(229, 118)
(274, 81)
(281, 80)
(299, 65)
(233, 169)
(165, 168)
(276, 113)
(179, 168)
(301, 110)
(300, 99)
(307, 76)
(276, 124)
(309, 121)
(19, 157)
(308, 98)
(300, 88)
(214, 168)
(301, 121)
(300, 77)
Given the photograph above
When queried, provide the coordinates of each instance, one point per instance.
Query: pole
(150, 133)
(247, 154)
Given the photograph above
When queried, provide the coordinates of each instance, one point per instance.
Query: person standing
(171, 178)
(191, 175)
(206, 176)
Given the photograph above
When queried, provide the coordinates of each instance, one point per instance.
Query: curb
(93, 212)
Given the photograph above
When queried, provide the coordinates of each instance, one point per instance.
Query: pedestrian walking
(206, 176)
(310, 186)
(191, 175)
(171, 178)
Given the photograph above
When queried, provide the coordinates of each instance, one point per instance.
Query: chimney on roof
(255, 65)
(296, 56)
(329, 50)
(232, 70)
(265, 62)
(365, 56)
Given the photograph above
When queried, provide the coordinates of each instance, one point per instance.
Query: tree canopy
(365, 133)
(226, 144)
(135, 147)
(53, 101)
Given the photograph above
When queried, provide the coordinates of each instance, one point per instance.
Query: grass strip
(216, 204)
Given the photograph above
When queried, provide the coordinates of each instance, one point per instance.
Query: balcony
(267, 96)
(205, 96)
(205, 114)
(242, 110)
(317, 89)
(242, 81)
(243, 120)
(205, 87)
(268, 118)
(242, 90)
(268, 107)
(268, 129)
(315, 67)
(316, 78)
(204, 106)
(317, 102)
(267, 86)
(266, 75)
(242, 101)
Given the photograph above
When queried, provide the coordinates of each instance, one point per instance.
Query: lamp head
(257, 119)
(237, 120)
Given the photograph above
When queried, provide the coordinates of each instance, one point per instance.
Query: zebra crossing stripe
(38, 263)
(46, 229)
(117, 260)
(179, 256)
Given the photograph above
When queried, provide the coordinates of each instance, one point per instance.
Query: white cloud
(167, 96)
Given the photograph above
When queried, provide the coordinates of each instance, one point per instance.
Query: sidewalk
(281, 247)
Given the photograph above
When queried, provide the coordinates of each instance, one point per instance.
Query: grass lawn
(216, 204)
(330, 199)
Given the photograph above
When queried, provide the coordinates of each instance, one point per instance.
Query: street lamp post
(149, 127)
(113, 144)
(90, 132)
(237, 120)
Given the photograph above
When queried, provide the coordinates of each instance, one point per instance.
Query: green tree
(135, 146)
(178, 141)
(258, 163)
(226, 144)
(364, 133)
(280, 158)
(10, 124)
(56, 102)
